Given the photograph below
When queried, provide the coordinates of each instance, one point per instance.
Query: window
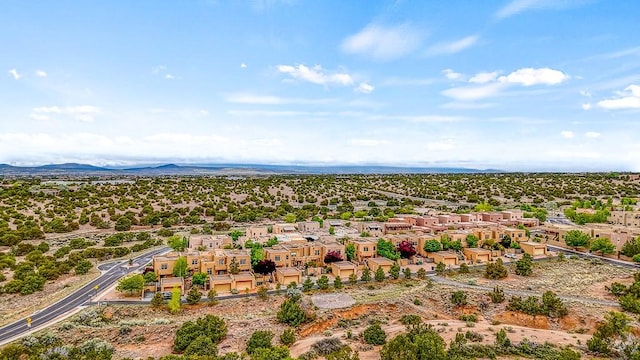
(164, 267)
(366, 248)
(317, 252)
(221, 262)
(277, 257)
(243, 261)
(209, 272)
(194, 262)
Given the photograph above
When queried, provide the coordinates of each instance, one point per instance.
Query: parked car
(166, 295)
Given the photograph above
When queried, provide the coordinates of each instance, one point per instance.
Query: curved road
(41, 318)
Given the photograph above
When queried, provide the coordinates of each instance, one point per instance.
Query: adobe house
(365, 249)
(468, 218)
(279, 255)
(515, 234)
(446, 257)
(286, 276)
(476, 255)
(325, 248)
(374, 229)
(209, 242)
(226, 283)
(392, 227)
(421, 241)
(533, 248)
(343, 269)
(255, 232)
(449, 219)
(168, 283)
(380, 262)
(163, 265)
(491, 216)
(309, 226)
(427, 221)
(284, 228)
(244, 281)
(221, 283)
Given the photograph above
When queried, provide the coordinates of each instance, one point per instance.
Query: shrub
(469, 318)
(288, 337)
(259, 339)
(337, 283)
(323, 282)
(366, 275)
(464, 268)
(394, 271)
(291, 313)
(496, 270)
(422, 274)
(327, 346)
(459, 298)
(157, 300)
(497, 295)
(379, 274)
(201, 346)
(410, 319)
(262, 292)
(307, 285)
(194, 296)
(524, 266)
(374, 335)
(441, 268)
(210, 326)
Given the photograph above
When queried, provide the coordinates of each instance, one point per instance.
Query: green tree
(260, 339)
(374, 335)
(344, 353)
(379, 274)
(210, 326)
(407, 273)
(83, 267)
(291, 313)
(307, 285)
(422, 274)
(199, 278)
(441, 268)
(131, 284)
(123, 224)
(180, 269)
(201, 346)
(234, 267)
(497, 295)
(157, 301)
(459, 298)
(272, 353)
(323, 282)
(212, 297)
(353, 279)
(288, 337)
(150, 277)
(394, 271)
(496, 270)
(399, 348)
(524, 266)
(464, 268)
(576, 238)
(472, 241)
(350, 251)
(332, 231)
(603, 245)
(386, 249)
(366, 275)
(177, 243)
(432, 245)
(194, 296)
(337, 282)
(175, 301)
(290, 218)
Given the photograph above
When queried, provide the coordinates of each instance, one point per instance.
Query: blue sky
(515, 85)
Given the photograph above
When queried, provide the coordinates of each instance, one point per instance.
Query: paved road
(79, 297)
(593, 256)
(444, 281)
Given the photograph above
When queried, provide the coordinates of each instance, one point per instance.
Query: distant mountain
(73, 169)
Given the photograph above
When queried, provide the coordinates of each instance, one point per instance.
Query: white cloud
(247, 98)
(586, 106)
(467, 93)
(155, 70)
(84, 113)
(169, 77)
(397, 81)
(367, 142)
(531, 76)
(316, 75)
(518, 6)
(15, 74)
(453, 46)
(467, 106)
(419, 118)
(383, 43)
(567, 134)
(364, 88)
(629, 98)
(484, 77)
(585, 93)
(592, 134)
(243, 65)
(452, 75)
(490, 86)
(39, 117)
(41, 73)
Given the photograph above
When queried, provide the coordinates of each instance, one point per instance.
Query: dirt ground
(572, 277)
(139, 331)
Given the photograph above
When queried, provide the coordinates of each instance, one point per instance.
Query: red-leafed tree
(406, 249)
(332, 256)
(265, 267)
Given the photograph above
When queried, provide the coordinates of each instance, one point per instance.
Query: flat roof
(343, 264)
(381, 260)
(289, 271)
(478, 250)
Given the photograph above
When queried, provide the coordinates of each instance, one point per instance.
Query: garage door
(538, 251)
(449, 261)
(222, 288)
(242, 285)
